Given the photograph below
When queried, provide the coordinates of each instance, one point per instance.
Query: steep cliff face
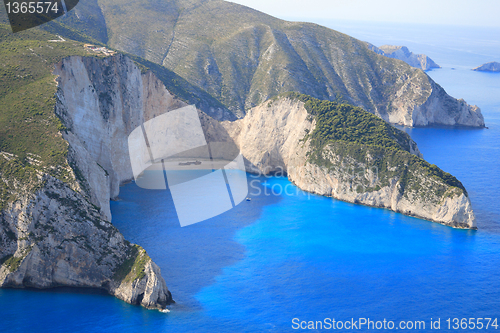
(54, 236)
(244, 57)
(271, 138)
(59, 233)
(441, 109)
(419, 101)
(402, 53)
(101, 102)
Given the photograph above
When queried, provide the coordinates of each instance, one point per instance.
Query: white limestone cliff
(61, 234)
(56, 237)
(270, 138)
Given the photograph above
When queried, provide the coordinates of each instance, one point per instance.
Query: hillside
(86, 24)
(51, 223)
(243, 57)
(338, 150)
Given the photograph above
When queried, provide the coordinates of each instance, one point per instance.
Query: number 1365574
(31, 7)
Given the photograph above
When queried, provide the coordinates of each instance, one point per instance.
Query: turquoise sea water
(279, 257)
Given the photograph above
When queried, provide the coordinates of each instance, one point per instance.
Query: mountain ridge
(243, 57)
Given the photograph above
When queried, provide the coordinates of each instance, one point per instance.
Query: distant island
(402, 53)
(488, 67)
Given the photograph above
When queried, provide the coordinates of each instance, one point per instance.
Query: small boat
(165, 310)
(248, 199)
(190, 163)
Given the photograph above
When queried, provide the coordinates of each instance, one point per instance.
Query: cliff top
(353, 127)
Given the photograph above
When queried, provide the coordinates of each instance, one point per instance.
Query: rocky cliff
(488, 67)
(59, 232)
(244, 57)
(402, 53)
(56, 223)
(52, 235)
(273, 137)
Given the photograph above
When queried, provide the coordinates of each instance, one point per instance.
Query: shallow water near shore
(283, 256)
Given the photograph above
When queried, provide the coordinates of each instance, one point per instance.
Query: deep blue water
(279, 257)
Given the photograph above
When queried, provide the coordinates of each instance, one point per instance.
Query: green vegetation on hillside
(30, 138)
(340, 121)
(243, 57)
(392, 162)
(133, 268)
(351, 132)
(28, 124)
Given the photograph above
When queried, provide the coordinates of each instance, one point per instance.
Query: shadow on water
(189, 257)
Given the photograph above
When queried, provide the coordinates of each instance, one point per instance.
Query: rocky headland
(312, 141)
(488, 67)
(402, 53)
(57, 231)
(56, 222)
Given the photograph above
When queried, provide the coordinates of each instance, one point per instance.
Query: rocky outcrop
(271, 138)
(60, 233)
(402, 53)
(488, 67)
(56, 237)
(439, 108)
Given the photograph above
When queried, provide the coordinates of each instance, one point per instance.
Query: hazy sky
(456, 12)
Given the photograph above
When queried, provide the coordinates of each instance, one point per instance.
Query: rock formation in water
(488, 67)
(59, 233)
(402, 53)
(274, 137)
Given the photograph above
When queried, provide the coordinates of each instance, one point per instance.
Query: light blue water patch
(335, 259)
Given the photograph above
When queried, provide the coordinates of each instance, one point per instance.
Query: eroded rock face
(57, 237)
(61, 233)
(402, 53)
(430, 105)
(101, 101)
(488, 67)
(271, 139)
